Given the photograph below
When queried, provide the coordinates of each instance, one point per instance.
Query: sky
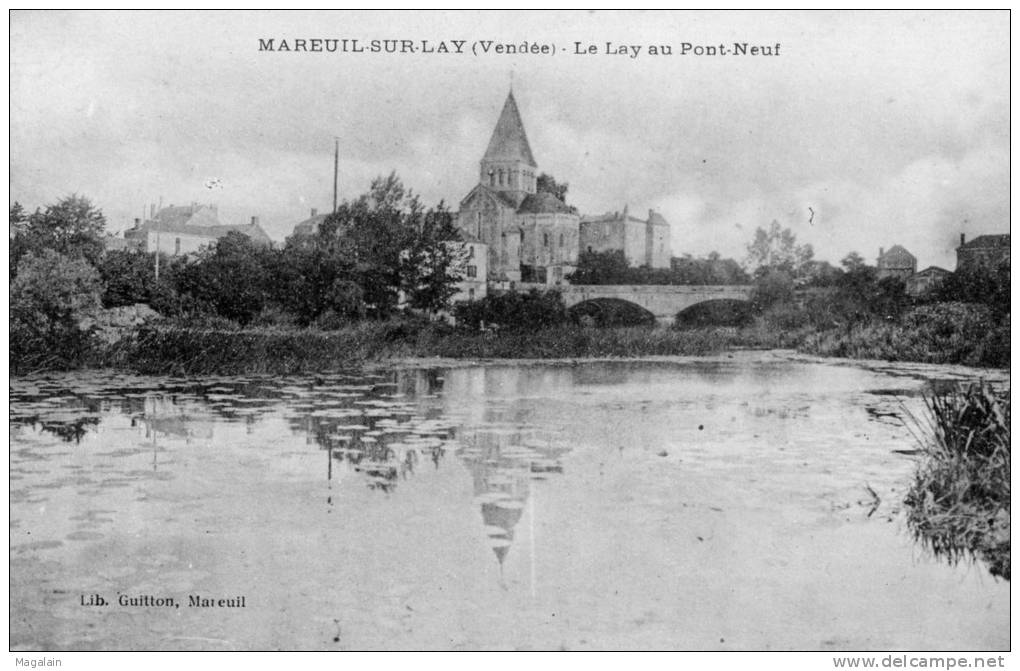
(868, 129)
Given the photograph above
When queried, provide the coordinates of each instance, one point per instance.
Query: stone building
(530, 236)
(897, 262)
(983, 251)
(310, 226)
(926, 280)
(178, 230)
(474, 272)
(645, 242)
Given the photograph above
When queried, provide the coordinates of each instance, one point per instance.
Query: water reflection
(379, 429)
(642, 504)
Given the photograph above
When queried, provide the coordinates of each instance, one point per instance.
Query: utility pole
(336, 171)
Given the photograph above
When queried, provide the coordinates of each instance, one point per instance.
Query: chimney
(963, 239)
(254, 221)
(138, 222)
(881, 252)
(315, 211)
(651, 213)
(152, 210)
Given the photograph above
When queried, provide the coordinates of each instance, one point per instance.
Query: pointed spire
(509, 141)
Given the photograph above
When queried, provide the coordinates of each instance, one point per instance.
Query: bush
(53, 301)
(513, 311)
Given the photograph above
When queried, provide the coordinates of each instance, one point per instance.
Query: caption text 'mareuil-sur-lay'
(493, 47)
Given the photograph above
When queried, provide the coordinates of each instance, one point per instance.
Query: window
(501, 178)
(472, 271)
(561, 239)
(177, 246)
(471, 251)
(589, 249)
(545, 239)
(492, 178)
(471, 294)
(522, 237)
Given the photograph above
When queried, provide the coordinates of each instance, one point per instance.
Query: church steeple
(508, 164)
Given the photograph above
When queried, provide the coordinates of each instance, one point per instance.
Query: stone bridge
(662, 300)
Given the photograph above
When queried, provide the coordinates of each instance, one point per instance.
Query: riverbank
(161, 348)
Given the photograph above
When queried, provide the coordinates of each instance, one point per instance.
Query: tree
(231, 277)
(128, 277)
(52, 297)
(72, 227)
(776, 249)
(609, 267)
(546, 183)
(383, 242)
(853, 262)
(431, 265)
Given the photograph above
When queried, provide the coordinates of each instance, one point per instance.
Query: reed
(959, 503)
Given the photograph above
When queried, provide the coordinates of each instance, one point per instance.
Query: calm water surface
(714, 503)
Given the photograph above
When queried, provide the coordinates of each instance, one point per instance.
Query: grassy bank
(181, 350)
(945, 334)
(959, 504)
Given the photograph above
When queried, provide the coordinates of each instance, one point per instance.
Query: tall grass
(959, 503)
(167, 349)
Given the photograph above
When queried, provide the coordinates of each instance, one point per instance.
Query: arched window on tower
(501, 178)
(492, 178)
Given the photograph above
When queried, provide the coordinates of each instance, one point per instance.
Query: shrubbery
(53, 300)
(513, 311)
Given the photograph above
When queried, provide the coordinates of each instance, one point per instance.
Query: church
(534, 237)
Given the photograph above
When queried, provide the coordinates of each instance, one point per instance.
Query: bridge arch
(730, 311)
(611, 311)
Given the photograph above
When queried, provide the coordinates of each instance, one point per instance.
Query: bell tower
(508, 164)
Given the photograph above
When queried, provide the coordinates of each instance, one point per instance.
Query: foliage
(988, 285)
(432, 262)
(963, 333)
(608, 267)
(231, 277)
(772, 286)
(128, 276)
(546, 183)
(611, 267)
(776, 249)
(713, 269)
(73, 227)
(52, 299)
(513, 311)
(959, 503)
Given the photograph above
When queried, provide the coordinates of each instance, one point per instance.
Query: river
(712, 503)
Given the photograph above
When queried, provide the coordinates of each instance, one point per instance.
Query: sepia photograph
(527, 330)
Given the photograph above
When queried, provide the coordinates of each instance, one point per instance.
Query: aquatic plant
(959, 503)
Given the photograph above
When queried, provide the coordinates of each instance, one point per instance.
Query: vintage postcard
(511, 330)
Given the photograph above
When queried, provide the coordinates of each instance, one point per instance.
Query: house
(645, 242)
(474, 269)
(897, 262)
(178, 230)
(310, 226)
(926, 280)
(984, 251)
